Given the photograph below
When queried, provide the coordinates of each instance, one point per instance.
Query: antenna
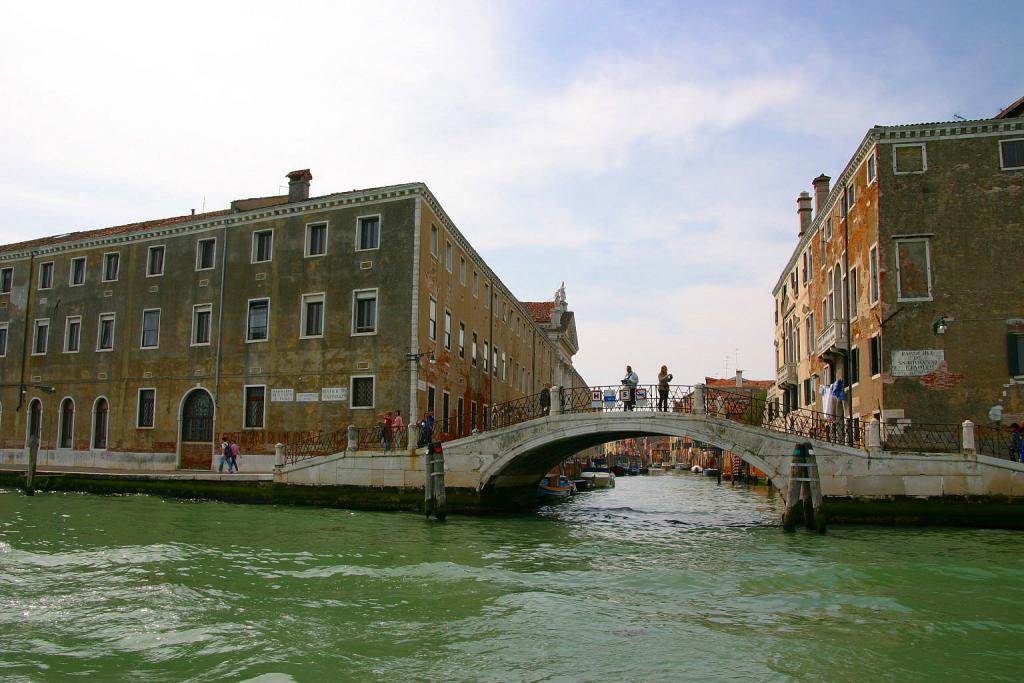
(957, 117)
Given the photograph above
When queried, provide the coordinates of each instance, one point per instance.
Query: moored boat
(599, 480)
(555, 486)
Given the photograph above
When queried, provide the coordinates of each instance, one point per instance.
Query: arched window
(66, 431)
(100, 416)
(35, 419)
(197, 417)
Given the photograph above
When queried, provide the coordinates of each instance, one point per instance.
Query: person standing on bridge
(630, 381)
(663, 379)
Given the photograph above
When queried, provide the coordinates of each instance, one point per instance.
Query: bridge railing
(315, 446)
(644, 398)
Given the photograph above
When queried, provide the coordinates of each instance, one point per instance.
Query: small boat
(555, 486)
(618, 470)
(681, 466)
(599, 480)
(696, 469)
(581, 485)
(710, 471)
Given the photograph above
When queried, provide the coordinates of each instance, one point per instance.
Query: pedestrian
(1016, 443)
(663, 379)
(630, 381)
(386, 431)
(397, 427)
(545, 400)
(225, 449)
(427, 428)
(233, 457)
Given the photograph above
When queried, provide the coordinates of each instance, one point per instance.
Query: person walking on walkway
(233, 457)
(663, 379)
(630, 381)
(385, 431)
(225, 449)
(396, 428)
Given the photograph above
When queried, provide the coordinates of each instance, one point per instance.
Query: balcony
(834, 339)
(786, 375)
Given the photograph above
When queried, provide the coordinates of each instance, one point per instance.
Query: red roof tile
(540, 311)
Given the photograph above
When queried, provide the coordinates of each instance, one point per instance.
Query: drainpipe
(28, 326)
(220, 338)
(846, 313)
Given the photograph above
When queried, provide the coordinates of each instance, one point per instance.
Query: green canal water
(667, 578)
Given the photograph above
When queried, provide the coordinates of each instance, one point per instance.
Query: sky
(646, 154)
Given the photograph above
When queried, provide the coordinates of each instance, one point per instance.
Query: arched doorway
(35, 421)
(196, 436)
(66, 430)
(100, 423)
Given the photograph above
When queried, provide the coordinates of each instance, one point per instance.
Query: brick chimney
(298, 185)
(820, 192)
(739, 379)
(803, 209)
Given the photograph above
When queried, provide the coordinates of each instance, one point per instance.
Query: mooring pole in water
(30, 474)
(805, 488)
(440, 501)
(794, 490)
(428, 484)
(814, 493)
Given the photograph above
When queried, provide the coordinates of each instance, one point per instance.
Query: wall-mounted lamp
(941, 325)
(417, 356)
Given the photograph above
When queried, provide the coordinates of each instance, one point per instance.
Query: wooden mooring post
(804, 491)
(30, 474)
(434, 501)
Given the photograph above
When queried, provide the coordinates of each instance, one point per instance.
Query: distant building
(906, 281)
(277, 318)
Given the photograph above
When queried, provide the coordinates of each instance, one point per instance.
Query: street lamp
(940, 326)
(417, 356)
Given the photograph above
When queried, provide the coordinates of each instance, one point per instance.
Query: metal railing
(316, 445)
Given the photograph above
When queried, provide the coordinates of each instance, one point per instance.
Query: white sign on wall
(282, 395)
(916, 362)
(334, 394)
(307, 396)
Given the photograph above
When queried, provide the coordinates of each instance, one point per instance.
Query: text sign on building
(917, 362)
(307, 396)
(282, 395)
(334, 394)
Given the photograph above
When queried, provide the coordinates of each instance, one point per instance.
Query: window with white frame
(46, 275)
(473, 360)
(828, 233)
(446, 406)
(145, 417)
(77, 272)
(909, 159)
(6, 280)
(3, 339)
(151, 328)
(362, 391)
(111, 266)
(316, 239)
(871, 170)
(72, 333)
(504, 368)
(851, 194)
(254, 409)
(447, 329)
(202, 319)
(1011, 154)
(433, 240)
(364, 311)
(312, 315)
(494, 360)
(40, 336)
(155, 261)
(262, 246)
(913, 270)
(369, 233)
(105, 332)
(809, 324)
(462, 339)
(258, 321)
(432, 319)
(206, 253)
(448, 255)
(873, 284)
(854, 293)
(486, 357)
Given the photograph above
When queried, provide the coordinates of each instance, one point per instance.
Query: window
(369, 233)
(873, 285)
(1011, 153)
(111, 266)
(446, 404)
(821, 243)
(1015, 353)
(100, 411)
(876, 356)
(72, 333)
(254, 406)
(476, 284)
(258, 328)
(364, 313)
(6, 280)
(206, 253)
(871, 170)
(809, 333)
(155, 262)
(151, 328)
(312, 316)
(105, 333)
(431, 397)
(487, 295)
(909, 159)
(472, 415)
(462, 340)
(851, 194)
(316, 239)
(262, 246)
(202, 317)
(462, 270)
(46, 275)
(433, 241)
(486, 357)
(448, 256)
(432, 324)
(3, 339)
(460, 409)
(40, 336)
(362, 391)
(504, 368)
(473, 352)
(853, 292)
(854, 365)
(146, 412)
(494, 361)
(808, 398)
(66, 430)
(447, 330)
(913, 271)
(828, 232)
(77, 272)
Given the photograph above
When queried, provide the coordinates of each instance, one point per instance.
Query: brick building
(906, 280)
(273, 319)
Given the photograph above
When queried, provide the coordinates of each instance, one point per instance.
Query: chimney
(739, 379)
(298, 185)
(803, 209)
(820, 192)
